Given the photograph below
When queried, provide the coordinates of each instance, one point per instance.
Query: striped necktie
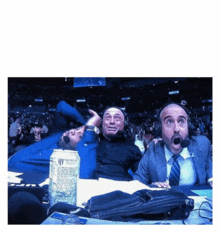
(175, 172)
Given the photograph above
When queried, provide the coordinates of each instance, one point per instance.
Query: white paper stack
(89, 188)
(12, 177)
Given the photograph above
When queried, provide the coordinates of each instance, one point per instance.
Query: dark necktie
(175, 172)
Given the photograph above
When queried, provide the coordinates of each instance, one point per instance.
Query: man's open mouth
(177, 140)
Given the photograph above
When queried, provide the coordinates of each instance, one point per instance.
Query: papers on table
(12, 177)
(46, 182)
(89, 188)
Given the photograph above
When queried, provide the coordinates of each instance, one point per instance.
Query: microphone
(184, 143)
(66, 139)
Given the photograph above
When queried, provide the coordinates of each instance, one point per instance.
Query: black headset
(157, 122)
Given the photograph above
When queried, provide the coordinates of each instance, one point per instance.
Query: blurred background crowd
(32, 104)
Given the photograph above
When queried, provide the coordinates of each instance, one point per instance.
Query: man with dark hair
(178, 159)
(116, 155)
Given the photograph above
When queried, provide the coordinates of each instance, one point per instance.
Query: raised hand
(95, 120)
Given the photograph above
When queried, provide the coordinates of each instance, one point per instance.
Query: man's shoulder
(156, 146)
(200, 139)
(155, 149)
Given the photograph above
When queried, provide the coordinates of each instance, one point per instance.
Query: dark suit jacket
(153, 167)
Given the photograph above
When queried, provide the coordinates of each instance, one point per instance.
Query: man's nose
(112, 120)
(176, 127)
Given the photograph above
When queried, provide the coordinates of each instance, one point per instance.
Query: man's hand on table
(164, 184)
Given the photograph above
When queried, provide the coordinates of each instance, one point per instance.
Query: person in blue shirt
(36, 157)
(194, 158)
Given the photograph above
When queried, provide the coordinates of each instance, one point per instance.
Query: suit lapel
(198, 161)
(160, 163)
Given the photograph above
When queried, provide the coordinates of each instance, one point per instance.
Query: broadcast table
(201, 214)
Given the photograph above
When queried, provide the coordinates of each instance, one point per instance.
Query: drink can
(63, 175)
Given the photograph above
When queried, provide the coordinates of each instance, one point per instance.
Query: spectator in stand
(10, 121)
(148, 134)
(198, 131)
(139, 139)
(15, 129)
(37, 132)
(43, 127)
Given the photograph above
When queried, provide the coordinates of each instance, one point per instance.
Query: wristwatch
(93, 128)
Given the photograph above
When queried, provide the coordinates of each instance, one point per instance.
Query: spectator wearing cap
(37, 132)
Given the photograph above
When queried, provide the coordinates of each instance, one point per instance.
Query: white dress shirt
(187, 169)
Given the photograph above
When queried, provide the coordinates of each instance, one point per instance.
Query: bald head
(174, 121)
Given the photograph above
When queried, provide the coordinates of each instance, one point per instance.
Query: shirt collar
(168, 154)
